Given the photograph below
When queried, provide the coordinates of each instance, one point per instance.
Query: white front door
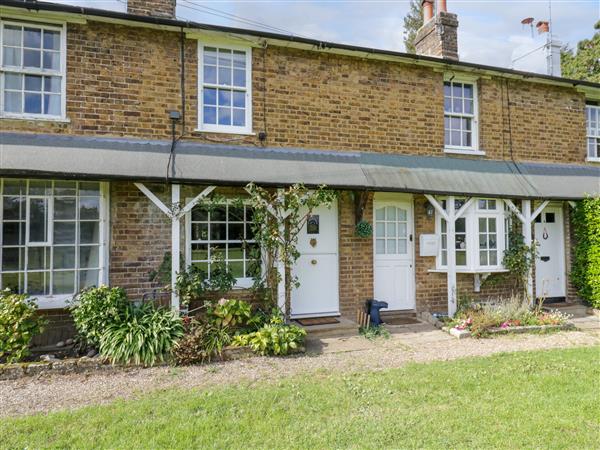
(550, 264)
(394, 256)
(317, 267)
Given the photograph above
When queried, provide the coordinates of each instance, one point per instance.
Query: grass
(543, 399)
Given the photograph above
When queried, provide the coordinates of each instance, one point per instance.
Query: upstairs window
(460, 117)
(225, 100)
(32, 70)
(592, 116)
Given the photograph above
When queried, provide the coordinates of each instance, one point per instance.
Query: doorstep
(343, 328)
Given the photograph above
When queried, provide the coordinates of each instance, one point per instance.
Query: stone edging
(462, 334)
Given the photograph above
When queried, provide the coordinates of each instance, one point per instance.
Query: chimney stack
(438, 36)
(154, 8)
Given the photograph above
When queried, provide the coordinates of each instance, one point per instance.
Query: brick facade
(157, 8)
(123, 81)
(439, 37)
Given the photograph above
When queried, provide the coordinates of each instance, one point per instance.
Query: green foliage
(230, 313)
(94, 308)
(193, 283)
(162, 274)
(19, 323)
(585, 273)
(201, 343)
(585, 64)
(364, 229)
(273, 338)
(374, 332)
(412, 22)
(278, 218)
(142, 335)
(519, 258)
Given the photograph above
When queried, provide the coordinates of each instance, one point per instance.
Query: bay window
(222, 233)
(51, 238)
(592, 116)
(32, 70)
(480, 236)
(225, 86)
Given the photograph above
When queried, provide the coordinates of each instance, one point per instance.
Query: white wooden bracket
(174, 213)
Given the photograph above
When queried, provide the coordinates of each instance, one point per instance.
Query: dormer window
(225, 99)
(32, 70)
(592, 117)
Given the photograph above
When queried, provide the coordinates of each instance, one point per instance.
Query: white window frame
(60, 300)
(216, 128)
(62, 28)
(471, 216)
(242, 282)
(592, 134)
(474, 148)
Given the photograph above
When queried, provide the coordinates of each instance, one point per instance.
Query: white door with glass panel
(394, 256)
(317, 267)
(550, 279)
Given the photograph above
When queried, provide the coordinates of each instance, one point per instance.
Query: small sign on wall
(429, 245)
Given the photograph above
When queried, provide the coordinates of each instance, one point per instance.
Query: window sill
(36, 119)
(225, 131)
(466, 270)
(52, 301)
(463, 151)
(591, 159)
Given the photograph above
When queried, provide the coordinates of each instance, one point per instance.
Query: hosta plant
(19, 323)
(201, 343)
(143, 335)
(230, 313)
(273, 338)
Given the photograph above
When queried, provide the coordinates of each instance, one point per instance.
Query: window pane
(52, 84)
(37, 283)
(239, 78)
(224, 97)
(210, 96)
(210, 55)
(12, 281)
(390, 213)
(224, 57)
(492, 225)
(12, 259)
(391, 230)
(200, 231)
(89, 208)
(199, 213)
(89, 232)
(380, 229)
(51, 40)
(391, 246)
(239, 99)
(225, 116)
(239, 59)
(38, 258)
(89, 256)
(236, 231)
(380, 246)
(199, 252)
(225, 76)
(210, 74)
(13, 102)
(461, 258)
(33, 103)
(239, 117)
(461, 225)
(13, 81)
(493, 258)
(210, 115)
(38, 220)
(483, 258)
(13, 233)
(32, 38)
(236, 214)
(64, 232)
(63, 282)
(13, 208)
(482, 225)
(236, 268)
(32, 58)
(402, 246)
(64, 208)
(235, 251)
(88, 278)
(65, 187)
(380, 214)
(52, 104)
(11, 56)
(64, 257)
(52, 60)
(12, 35)
(218, 232)
(89, 188)
(218, 214)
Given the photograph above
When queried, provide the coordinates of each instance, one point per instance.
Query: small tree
(585, 64)
(412, 22)
(278, 218)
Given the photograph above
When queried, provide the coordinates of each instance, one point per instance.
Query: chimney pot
(442, 6)
(543, 26)
(427, 6)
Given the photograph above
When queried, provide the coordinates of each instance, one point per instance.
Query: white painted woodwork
(317, 268)
(393, 259)
(550, 278)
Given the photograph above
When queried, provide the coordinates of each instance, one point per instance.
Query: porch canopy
(223, 164)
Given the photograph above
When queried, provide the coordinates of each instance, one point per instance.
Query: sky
(490, 31)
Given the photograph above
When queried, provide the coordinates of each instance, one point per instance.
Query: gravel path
(412, 343)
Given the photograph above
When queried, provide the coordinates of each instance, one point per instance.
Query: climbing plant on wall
(278, 218)
(519, 258)
(585, 274)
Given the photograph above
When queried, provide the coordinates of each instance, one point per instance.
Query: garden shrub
(273, 338)
(95, 308)
(193, 283)
(585, 273)
(19, 323)
(230, 313)
(141, 335)
(201, 343)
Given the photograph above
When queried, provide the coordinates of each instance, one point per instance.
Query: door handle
(314, 262)
(545, 258)
(410, 237)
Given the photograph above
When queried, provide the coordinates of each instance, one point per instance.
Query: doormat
(317, 321)
(400, 321)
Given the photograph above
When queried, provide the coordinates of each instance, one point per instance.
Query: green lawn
(547, 399)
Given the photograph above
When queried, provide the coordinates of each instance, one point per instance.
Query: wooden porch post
(175, 242)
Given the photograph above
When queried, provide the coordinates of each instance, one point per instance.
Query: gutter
(177, 25)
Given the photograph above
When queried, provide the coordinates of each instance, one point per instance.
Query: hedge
(586, 265)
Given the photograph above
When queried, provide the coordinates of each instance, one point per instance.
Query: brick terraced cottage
(432, 151)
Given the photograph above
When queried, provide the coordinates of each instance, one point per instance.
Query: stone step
(575, 309)
(397, 314)
(344, 328)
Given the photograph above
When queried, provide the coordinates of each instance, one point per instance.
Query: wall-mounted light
(429, 210)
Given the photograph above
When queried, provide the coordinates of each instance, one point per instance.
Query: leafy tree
(412, 22)
(585, 64)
